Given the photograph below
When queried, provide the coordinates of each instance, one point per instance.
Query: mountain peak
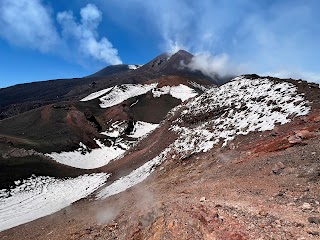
(180, 56)
(166, 63)
(182, 52)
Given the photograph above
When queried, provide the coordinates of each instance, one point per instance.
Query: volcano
(157, 151)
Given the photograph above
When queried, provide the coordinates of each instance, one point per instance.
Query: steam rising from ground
(109, 213)
(142, 200)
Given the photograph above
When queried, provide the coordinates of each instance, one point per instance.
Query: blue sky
(42, 39)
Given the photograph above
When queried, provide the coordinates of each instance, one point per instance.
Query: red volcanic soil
(264, 185)
(260, 187)
(281, 137)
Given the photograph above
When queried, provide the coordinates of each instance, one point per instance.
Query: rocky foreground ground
(262, 186)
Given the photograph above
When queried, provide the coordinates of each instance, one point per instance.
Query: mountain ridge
(22, 97)
(165, 155)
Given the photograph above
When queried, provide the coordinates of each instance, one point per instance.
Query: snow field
(236, 108)
(181, 92)
(96, 94)
(37, 197)
(141, 129)
(117, 128)
(132, 179)
(134, 67)
(124, 92)
(87, 158)
(118, 94)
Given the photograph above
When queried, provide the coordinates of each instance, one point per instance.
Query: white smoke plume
(140, 198)
(108, 214)
(252, 33)
(214, 65)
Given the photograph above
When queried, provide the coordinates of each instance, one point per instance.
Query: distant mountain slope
(219, 148)
(115, 69)
(95, 118)
(165, 63)
(24, 97)
(220, 151)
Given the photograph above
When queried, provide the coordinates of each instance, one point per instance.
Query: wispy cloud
(84, 34)
(30, 24)
(310, 76)
(263, 35)
(213, 66)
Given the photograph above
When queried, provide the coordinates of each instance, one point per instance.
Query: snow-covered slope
(86, 158)
(115, 95)
(96, 94)
(216, 117)
(133, 178)
(236, 108)
(124, 92)
(40, 196)
(141, 129)
(181, 92)
(219, 115)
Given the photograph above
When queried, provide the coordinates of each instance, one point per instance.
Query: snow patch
(135, 177)
(96, 94)
(116, 95)
(236, 108)
(201, 87)
(87, 158)
(37, 197)
(117, 128)
(123, 92)
(134, 67)
(141, 129)
(181, 92)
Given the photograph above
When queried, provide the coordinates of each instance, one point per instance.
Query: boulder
(315, 220)
(294, 139)
(305, 134)
(306, 206)
(278, 168)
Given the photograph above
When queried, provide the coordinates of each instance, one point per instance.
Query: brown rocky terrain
(263, 185)
(213, 195)
(239, 161)
(25, 97)
(44, 117)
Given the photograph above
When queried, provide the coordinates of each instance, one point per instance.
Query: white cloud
(27, 23)
(212, 66)
(254, 33)
(309, 76)
(85, 33)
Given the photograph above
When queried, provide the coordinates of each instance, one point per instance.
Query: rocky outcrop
(20, 152)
